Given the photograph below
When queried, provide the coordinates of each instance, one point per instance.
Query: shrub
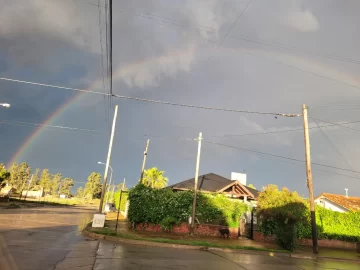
(165, 207)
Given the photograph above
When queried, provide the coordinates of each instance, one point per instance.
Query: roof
(211, 182)
(350, 203)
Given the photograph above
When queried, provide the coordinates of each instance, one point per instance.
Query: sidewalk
(303, 251)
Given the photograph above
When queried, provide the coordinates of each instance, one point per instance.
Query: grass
(189, 242)
(55, 201)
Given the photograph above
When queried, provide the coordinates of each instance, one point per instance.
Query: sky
(265, 56)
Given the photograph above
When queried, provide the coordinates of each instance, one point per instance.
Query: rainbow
(122, 73)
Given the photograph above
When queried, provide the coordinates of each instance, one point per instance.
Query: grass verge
(200, 243)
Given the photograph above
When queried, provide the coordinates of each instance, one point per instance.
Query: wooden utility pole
(144, 161)
(196, 183)
(117, 219)
(309, 179)
(108, 160)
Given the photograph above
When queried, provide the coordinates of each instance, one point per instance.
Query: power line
(277, 156)
(282, 131)
(294, 49)
(340, 125)
(333, 145)
(48, 127)
(155, 101)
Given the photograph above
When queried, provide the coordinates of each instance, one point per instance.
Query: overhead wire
(278, 156)
(340, 125)
(156, 101)
(334, 147)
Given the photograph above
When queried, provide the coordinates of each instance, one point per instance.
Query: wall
(184, 228)
(32, 193)
(259, 237)
(329, 205)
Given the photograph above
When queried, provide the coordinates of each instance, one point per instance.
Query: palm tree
(155, 178)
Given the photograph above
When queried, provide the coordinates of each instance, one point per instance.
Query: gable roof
(212, 182)
(350, 203)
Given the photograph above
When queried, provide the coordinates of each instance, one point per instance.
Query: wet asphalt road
(49, 238)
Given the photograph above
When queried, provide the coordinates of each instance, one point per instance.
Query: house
(212, 182)
(339, 203)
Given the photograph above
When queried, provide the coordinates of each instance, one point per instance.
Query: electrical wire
(277, 156)
(340, 125)
(155, 101)
(282, 131)
(335, 148)
(48, 127)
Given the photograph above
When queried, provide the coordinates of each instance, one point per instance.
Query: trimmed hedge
(165, 207)
(333, 225)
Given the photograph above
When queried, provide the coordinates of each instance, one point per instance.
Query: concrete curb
(227, 250)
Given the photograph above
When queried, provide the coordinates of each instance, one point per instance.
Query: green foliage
(55, 183)
(80, 193)
(65, 185)
(154, 178)
(163, 206)
(168, 222)
(35, 183)
(280, 211)
(287, 216)
(93, 187)
(333, 225)
(45, 180)
(4, 174)
(124, 199)
(251, 186)
(19, 174)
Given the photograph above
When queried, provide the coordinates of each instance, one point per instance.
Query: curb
(227, 250)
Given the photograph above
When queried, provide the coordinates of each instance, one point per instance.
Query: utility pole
(117, 219)
(309, 179)
(108, 160)
(144, 161)
(196, 183)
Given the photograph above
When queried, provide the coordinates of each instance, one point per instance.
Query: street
(49, 238)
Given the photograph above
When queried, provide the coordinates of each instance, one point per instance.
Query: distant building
(211, 183)
(339, 203)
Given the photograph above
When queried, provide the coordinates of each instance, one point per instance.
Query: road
(49, 238)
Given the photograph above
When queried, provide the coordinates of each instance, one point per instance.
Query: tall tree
(93, 185)
(80, 193)
(65, 186)
(121, 187)
(4, 175)
(155, 178)
(19, 174)
(55, 183)
(45, 180)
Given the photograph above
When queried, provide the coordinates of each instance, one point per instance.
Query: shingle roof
(350, 203)
(210, 182)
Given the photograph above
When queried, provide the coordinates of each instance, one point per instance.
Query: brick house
(339, 203)
(212, 183)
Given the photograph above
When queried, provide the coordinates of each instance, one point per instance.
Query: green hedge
(333, 225)
(330, 225)
(165, 207)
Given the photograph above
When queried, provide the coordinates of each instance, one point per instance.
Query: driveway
(48, 238)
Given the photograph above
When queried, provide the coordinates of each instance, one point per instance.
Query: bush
(165, 207)
(287, 216)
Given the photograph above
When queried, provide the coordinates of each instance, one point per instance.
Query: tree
(280, 211)
(65, 186)
(55, 182)
(93, 186)
(45, 180)
(19, 174)
(4, 175)
(251, 186)
(121, 186)
(155, 178)
(80, 193)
